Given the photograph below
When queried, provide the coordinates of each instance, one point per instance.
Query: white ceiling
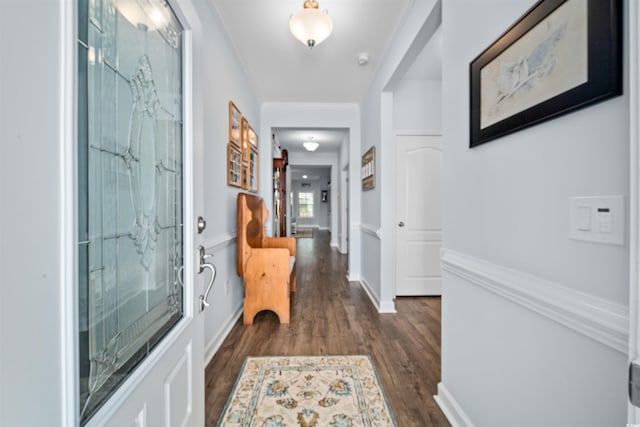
(281, 69)
(329, 140)
(313, 173)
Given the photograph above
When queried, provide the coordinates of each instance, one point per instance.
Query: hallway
(332, 316)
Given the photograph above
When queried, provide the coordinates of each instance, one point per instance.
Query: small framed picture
(368, 172)
(252, 172)
(235, 122)
(234, 166)
(252, 138)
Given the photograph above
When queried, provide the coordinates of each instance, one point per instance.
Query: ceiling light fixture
(310, 25)
(310, 145)
(304, 176)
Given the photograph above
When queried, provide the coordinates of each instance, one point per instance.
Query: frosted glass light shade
(311, 26)
(310, 145)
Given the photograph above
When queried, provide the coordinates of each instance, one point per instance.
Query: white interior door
(418, 215)
(140, 329)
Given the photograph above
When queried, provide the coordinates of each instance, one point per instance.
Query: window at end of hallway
(305, 205)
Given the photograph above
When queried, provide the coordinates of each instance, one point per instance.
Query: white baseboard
(381, 306)
(602, 320)
(353, 277)
(367, 288)
(214, 345)
(388, 307)
(451, 409)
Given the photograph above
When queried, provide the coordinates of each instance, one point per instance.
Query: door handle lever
(205, 266)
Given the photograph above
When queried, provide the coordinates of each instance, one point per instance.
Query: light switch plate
(597, 219)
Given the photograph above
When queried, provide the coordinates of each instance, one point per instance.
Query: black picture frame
(603, 69)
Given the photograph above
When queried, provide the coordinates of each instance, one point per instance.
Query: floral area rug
(307, 391)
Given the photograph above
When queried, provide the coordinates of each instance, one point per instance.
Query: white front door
(140, 326)
(418, 215)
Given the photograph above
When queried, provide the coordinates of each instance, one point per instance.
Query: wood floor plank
(329, 315)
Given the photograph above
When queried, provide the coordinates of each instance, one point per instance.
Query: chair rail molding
(604, 321)
(371, 230)
(219, 242)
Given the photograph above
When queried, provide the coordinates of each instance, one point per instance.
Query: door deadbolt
(202, 224)
(401, 224)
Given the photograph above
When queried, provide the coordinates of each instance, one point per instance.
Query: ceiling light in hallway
(310, 145)
(310, 25)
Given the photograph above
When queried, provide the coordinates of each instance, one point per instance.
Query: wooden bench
(267, 264)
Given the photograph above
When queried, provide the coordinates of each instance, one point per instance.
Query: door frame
(633, 413)
(69, 378)
(394, 237)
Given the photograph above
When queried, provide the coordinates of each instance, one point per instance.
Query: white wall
(417, 105)
(377, 108)
(32, 288)
(508, 356)
(223, 80)
(321, 209)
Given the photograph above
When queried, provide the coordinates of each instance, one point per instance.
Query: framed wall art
(252, 172)
(368, 172)
(249, 146)
(560, 56)
(235, 122)
(234, 165)
(252, 138)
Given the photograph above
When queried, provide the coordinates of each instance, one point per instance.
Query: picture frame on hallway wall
(368, 172)
(234, 165)
(249, 147)
(235, 121)
(560, 56)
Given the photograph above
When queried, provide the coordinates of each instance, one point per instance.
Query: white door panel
(418, 215)
(140, 192)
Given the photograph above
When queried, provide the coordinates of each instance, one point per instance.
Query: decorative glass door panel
(130, 198)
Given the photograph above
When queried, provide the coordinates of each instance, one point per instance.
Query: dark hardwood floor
(332, 316)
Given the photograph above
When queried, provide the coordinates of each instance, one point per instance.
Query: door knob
(401, 224)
